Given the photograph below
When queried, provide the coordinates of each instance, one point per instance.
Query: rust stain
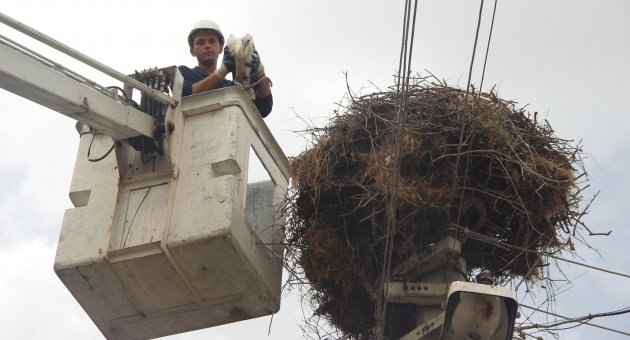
(488, 309)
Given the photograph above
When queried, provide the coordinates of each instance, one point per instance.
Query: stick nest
(485, 166)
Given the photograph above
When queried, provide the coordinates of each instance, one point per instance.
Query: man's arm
(264, 99)
(264, 105)
(208, 83)
(263, 88)
(194, 83)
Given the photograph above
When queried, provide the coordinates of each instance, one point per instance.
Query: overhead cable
(581, 320)
(486, 239)
(404, 71)
(485, 60)
(461, 134)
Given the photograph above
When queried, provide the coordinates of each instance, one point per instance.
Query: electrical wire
(461, 133)
(472, 59)
(625, 310)
(404, 71)
(461, 144)
(487, 239)
(127, 99)
(98, 159)
(484, 238)
(485, 60)
(402, 89)
(94, 160)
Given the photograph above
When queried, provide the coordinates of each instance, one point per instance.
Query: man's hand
(258, 70)
(227, 64)
(228, 60)
(260, 82)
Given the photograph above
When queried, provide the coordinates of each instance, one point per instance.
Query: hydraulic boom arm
(34, 77)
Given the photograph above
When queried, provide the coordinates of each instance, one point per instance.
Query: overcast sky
(568, 60)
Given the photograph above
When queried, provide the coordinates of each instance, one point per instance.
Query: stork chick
(242, 50)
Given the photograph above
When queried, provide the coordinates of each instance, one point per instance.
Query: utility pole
(447, 306)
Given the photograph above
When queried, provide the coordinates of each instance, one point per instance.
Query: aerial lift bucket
(163, 244)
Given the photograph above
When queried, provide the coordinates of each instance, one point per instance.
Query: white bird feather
(242, 50)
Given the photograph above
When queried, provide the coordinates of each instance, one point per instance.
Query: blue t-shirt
(193, 75)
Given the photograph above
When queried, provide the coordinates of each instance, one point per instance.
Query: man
(206, 43)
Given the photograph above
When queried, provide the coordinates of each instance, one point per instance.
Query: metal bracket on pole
(431, 259)
(421, 293)
(419, 332)
(433, 269)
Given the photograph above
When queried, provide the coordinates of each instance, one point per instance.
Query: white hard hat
(205, 25)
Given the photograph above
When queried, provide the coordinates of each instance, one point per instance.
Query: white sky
(567, 59)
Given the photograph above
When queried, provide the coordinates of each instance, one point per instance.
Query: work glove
(257, 67)
(227, 64)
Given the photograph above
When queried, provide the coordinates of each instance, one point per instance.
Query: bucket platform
(178, 242)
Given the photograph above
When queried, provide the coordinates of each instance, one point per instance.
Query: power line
(487, 239)
(485, 61)
(579, 319)
(404, 71)
(461, 133)
(586, 265)
(472, 59)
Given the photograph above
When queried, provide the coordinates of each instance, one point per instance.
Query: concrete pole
(428, 312)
